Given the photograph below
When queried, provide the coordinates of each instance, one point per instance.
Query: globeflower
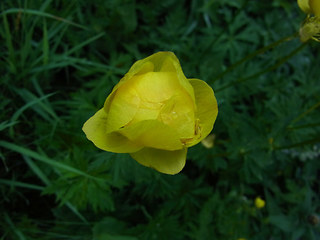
(259, 202)
(310, 28)
(155, 114)
(310, 6)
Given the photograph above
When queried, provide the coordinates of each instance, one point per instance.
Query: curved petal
(152, 80)
(207, 110)
(136, 69)
(95, 130)
(169, 162)
(140, 67)
(123, 106)
(162, 62)
(179, 113)
(315, 7)
(304, 6)
(152, 133)
(156, 87)
(170, 63)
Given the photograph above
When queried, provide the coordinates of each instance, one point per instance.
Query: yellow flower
(154, 113)
(311, 26)
(259, 202)
(310, 6)
(208, 142)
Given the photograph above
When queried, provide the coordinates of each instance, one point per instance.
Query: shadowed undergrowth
(60, 60)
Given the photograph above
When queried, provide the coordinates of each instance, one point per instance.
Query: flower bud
(155, 113)
(259, 202)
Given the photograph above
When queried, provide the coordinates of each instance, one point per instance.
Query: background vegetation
(59, 61)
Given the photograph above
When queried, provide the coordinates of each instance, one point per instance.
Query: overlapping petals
(154, 113)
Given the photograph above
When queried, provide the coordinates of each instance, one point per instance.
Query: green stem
(254, 54)
(304, 126)
(312, 108)
(299, 144)
(42, 14)
(276, 65)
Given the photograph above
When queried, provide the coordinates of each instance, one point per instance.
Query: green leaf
(285, 223)
(111, 228)
(44, 159)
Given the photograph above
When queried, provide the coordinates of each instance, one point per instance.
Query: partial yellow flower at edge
(259, 202)
(310, 28)
(304, 6)
(315, 7)
(310, 6)
(155, 113)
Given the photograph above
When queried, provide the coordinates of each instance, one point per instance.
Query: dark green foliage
(60, 60)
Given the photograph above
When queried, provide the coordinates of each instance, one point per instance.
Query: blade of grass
(21, 184)
(13, 227)
(45, 43)
(83, 44)
(42, 14)
(11, 57)
(44, 159)
(47, 182)
(45, 5)
(44, 110)
(40, 92)
(54, 124)
(56, 32)
(16, 115)
(6, 124)
(59, 61)
(37, 171)
(76, 212)
(26, 49)
(29, 104)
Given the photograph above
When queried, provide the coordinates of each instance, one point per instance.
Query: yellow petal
(207, 109)
(171, 63)
(140, 67)
(140, 98)
(152, 133)
(149, 83)
(156, 87)
(169, 162)
(163, 62)
(95, 130)
(136, 69)
(315, 7)
(179, 113)
(122, 106)
(304, 6)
